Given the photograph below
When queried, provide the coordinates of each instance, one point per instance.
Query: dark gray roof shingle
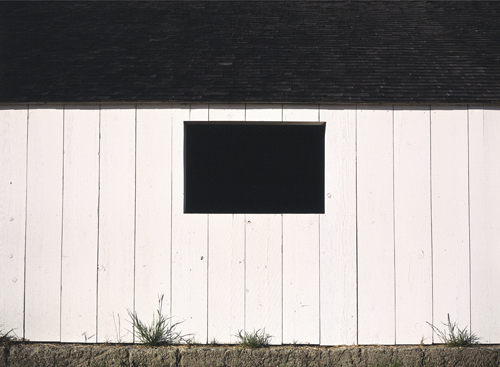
(247, 51)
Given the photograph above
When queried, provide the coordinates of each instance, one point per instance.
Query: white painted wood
(226, 258)
(394, 276)
(264, 112)
(226, 276)
(338, 302)
(222, 112)
(44, 222)
(376, 317)
(303, 113)
(301, 278)
(263, 254)
(484, 143)
(116, 223)
(450, 220)
(412, 218)
(301, 260)
(153, 210)
(189, 240)
(80, 223)
(13, 141)
(264, 275)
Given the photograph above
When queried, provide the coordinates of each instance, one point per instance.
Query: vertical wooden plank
(338, 299)
(153, 209)
(80, 223)
(226, 274)
(263, 256)
(484, 142)
(116, 223)
(301, 278)
(226, 258)
(376, 322)
(13, 141)
(189, 239)
(44, 221)
(301, 261)
(450, 219)
(264, 275)
(412, 218)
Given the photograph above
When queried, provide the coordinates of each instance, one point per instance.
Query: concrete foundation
(73, 355)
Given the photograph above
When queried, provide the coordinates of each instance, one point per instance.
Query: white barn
(94, 103)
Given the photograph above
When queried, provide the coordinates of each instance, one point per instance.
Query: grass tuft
(255, 339)
(7, 337)
(453, 336)
(159, 332)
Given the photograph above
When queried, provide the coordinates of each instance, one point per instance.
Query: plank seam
(245, 261)
(394, 226)
(135, 219)
(245, 273)
(356, 205)
(282, 274)
(319, 237)
(26, 217)
(208, 243)
(282, 281)
(483, 118)
(62, 225)
(208, 273)
(468, 215)
(432, 234)
(171, 204)
(98, 234)
(319, 277)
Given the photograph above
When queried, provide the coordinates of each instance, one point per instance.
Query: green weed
(160, 331)
(255, 339)
(453, 336)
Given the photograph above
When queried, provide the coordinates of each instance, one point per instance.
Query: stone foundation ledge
(99, 355)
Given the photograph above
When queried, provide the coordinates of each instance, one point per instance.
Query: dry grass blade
(5, 337)
(159, 332)
(453, 336)
(256, 339)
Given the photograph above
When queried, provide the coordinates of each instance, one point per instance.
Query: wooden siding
(375, 203)
(92, 225)
(153, 214)
(80, 222)
(412, 225)
(44, 213)
(13, 160)
(226, 258)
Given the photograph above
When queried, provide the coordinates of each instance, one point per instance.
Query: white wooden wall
(92, 225)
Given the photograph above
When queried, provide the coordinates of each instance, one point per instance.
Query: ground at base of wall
(73, 355)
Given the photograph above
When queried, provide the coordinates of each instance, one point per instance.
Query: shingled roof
(247, 51)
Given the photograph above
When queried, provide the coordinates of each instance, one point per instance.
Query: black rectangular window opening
(254, 167)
